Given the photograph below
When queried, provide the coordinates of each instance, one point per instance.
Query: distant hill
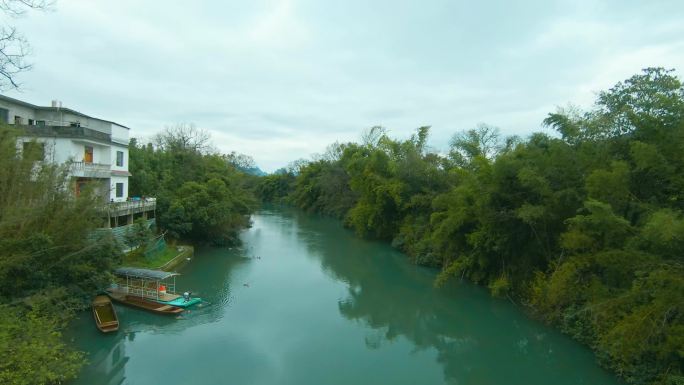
(253, 171)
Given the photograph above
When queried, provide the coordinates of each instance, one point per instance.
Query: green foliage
(153, 260)
(599, 229)
(32, 350)
(201, 195)
(663, 234)
(209, 211)
(586, 228)
(139, 234)
(610, 186)
(500, 286)
(274, 187)
(44, 230)
(50, 264)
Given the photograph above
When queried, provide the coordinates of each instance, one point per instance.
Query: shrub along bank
(201, 194)
(585, 227)
(49, 266)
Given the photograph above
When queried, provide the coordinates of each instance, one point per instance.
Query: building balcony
(84, 169)
(66, 132)
(131, 206)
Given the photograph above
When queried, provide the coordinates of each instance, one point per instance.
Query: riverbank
(185, 253)
(306, 301)
(169, 258)
(579, 226)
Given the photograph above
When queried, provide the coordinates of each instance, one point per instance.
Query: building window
(40, 123)
(88, 154)
(4, 115)
(17, 119)
(34, 151)
(119, 158)
(32, 122)
(119, 190)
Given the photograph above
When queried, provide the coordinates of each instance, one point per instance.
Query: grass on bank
(136, 258)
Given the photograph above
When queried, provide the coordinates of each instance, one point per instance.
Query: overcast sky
(279, 80)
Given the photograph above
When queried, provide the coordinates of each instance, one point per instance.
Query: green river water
(304, 301)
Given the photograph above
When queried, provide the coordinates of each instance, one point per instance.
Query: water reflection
(478, 340)
(305, 301)
(108, 364)
(107, 354)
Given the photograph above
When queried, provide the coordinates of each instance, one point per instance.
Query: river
(304, 301)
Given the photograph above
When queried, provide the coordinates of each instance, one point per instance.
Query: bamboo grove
(50, 264)
(584, 227)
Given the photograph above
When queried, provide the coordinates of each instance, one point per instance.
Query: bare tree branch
(184, 137)
(16, 8)
(14, 47)
(481, 141)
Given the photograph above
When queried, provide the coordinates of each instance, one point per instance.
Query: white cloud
(281, 79)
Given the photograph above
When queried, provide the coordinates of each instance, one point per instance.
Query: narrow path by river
(304, 301)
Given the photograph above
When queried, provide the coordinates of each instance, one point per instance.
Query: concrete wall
(70, 149)
(62, 150)
(101, 153)
(64, 118)
(112, 192)
(113, 150)
(120, 134)
(49, 144)
(17, 110)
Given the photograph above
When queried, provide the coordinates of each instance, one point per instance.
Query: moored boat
(104, 314)
(144, 303)
(152, 285)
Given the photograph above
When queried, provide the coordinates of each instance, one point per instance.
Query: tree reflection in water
(107, 359)
(323, 306)
(478, 339)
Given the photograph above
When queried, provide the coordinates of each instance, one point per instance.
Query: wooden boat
(152, 285)
(144, 304)
(104, 314)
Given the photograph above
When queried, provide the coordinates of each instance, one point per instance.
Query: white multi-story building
(96, 150)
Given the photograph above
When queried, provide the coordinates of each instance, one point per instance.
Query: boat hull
(104, 314)
(145, 304)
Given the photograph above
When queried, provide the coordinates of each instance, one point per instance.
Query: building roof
(69, 110)
(135, 272)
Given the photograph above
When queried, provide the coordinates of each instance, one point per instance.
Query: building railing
(131, 206)
(90, 170)
(67, 132)
(89, 166)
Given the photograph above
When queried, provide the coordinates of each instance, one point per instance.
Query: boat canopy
(134, 272)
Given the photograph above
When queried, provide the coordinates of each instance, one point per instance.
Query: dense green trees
(49, 265)
(586, 228)
(201, 195)
(50, 260)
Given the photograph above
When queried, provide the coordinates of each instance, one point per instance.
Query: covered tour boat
(153, 290)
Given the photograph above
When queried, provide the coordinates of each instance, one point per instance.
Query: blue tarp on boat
(181, 302)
